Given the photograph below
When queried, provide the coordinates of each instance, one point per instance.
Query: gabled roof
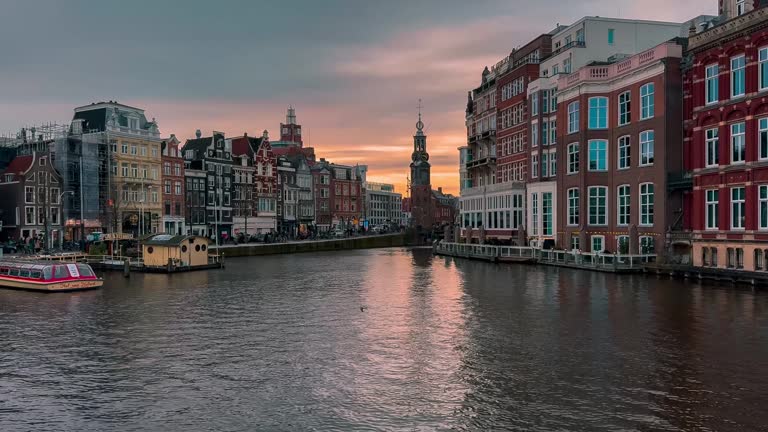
(200, 145)
(20, 165)
(246, 145)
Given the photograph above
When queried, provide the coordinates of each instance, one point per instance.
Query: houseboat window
(204, 248)
(85, 270)
(61, 272)
(3, 271)
(197, 248)
(14, 272)
(24, 273)
(48, 273)
(35, 275)
(184, 248)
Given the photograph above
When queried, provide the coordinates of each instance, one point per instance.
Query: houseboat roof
(168, 240)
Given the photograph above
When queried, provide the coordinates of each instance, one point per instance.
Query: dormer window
(133, 123)
(8, 178)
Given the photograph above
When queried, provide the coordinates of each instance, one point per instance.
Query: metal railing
(547, 256)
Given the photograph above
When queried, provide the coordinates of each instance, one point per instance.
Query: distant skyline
(353, 70)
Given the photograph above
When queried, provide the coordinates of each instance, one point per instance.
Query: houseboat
(47, 276)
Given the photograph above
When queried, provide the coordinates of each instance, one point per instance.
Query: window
(758, 259)
(553, 132)
(535, 103)
(143, 150)
(544, 164)
(598, 243)
(534, 166)
(598, 113)
(573, 158)
(598, 198)
(646, 101)
(763, 136)
(546, 213)
(552, 163)
(762, 68)
(646, 204)
(737, 208)
(55, 195)
(544, 133)
(54, 215)
(624, 108)
(133, 150)
(29, 194)
(544, 101)
(535, 213)
(712, 86)
(534, 135)
(646, 148)
(624, 153)
(166, 168)
(177, 188)
(611, 34)
(553, 100)
(647, 245)
(575, 242)
(713, 143)
(573, 207)
(573, 117)
(737, 76)
(124, 148)
(737, 143)
(598, 152)
(29, 215)
(763, 206)
(711, 208)
(740, 9)
(623, 205)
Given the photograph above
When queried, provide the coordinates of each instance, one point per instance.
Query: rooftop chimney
(198, 134)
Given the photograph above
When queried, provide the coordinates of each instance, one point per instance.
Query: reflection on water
(390, 339)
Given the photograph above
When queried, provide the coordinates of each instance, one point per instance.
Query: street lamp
(61, 232)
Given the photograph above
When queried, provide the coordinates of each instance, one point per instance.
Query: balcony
(569, 45)
(476, 163)
(679, 181)
(614, 70)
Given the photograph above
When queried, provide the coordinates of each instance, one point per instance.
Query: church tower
(290, 131)
(422, 202)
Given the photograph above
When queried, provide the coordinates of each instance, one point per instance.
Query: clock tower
(422, 202)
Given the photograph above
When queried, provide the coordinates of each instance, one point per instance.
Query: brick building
(31, 204)
(173, 187)
(255, 180)
(620, 136)
(726, 85)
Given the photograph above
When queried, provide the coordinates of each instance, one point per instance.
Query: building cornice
(729, 30)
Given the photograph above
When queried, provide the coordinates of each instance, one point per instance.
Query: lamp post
(61, 234)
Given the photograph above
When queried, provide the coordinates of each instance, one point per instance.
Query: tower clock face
(424, 157)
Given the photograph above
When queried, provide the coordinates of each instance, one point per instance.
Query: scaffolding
(85, 163)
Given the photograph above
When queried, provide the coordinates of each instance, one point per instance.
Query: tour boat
(47, 276)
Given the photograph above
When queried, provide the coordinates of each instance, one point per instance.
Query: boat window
(85, 270)
(35, 275)
(61, 272)
(14, 272)
(48, 273)
(24, 273)
(3, 271)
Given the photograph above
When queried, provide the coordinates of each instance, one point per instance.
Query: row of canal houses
(608, 128)
(111, 172)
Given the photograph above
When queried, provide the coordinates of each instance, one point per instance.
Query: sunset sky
(354, 70)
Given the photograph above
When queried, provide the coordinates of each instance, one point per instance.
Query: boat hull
(61, 286)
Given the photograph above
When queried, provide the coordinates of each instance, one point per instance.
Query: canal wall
(363, 242)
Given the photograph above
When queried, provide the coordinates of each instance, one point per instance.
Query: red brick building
(255, 210)
(321, 177)
(346, 202)
(173, 187)
(726, 106)
(620, 138)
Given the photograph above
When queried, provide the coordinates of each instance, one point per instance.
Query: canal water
(384, 340)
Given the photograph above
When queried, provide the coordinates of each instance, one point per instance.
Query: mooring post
(221, 262)
(127, 268)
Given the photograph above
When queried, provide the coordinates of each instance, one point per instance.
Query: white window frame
(573, 117)
(647, 210)
(762, 138)
(592, 243)
(647, 148)
(622, 104)
(647, 105)
(712, 202)
(762, 74)
(535, 165)
(534, 135)
(740, 138)
(599, 125)
(712, 138)
(624, 153)
(740, 70)
(573, 206)
(604, 206)
(589, 155)
(762, 207)
(573, 158)
(623, 202)
(738, 222)
(712, 74)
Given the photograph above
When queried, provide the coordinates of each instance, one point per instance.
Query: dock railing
(546, 256)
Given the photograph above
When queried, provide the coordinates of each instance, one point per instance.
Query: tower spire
(419, 124)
